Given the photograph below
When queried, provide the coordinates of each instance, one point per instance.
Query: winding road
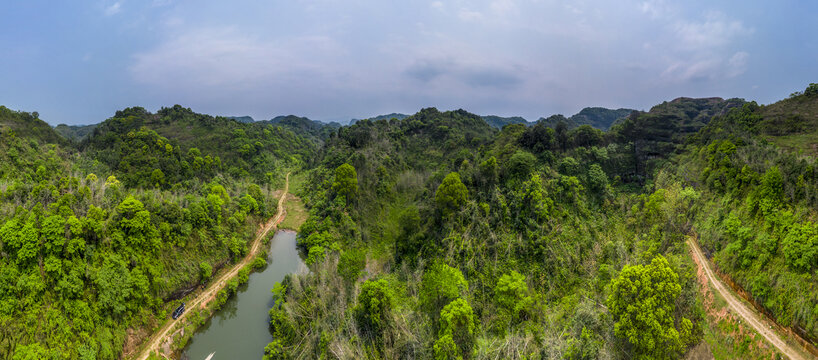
(749, 315)
(162, 335)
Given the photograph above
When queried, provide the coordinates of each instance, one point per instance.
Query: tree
(643, 301)
(451, 194)
(488, 171)
(346, 181)
(521, 164)
(568, 166)
(157, 178)
(205, 270)
(811, 90)
(457, 327)
(510, 289)
(440, 285)
(375, 303)
(771, 190)
(800, 246)
(597, 179)
(113, 283)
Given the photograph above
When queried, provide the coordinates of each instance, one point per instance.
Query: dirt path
(161, 335)
(750, 316)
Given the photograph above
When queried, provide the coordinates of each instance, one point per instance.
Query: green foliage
(520, 164)
(457, 327)
(440, 285)
(351, 263)
(373, 311)
(800, 246)
(597, 179)
(811, 90)
(346, 181)
(205, 270)
(643, 302)
(451, 194)
(511, 290)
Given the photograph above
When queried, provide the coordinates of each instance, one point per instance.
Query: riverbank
(172, 335)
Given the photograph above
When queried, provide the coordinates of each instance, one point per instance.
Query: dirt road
(161, 335)
(749, 315)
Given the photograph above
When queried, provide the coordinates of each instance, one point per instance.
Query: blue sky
(77, 62)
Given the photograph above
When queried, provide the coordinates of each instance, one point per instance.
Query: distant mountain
(242, 119)
(398, 116)
(75, 132)
(499, 122)
(304, 125)
(553, 120)
(598, 117)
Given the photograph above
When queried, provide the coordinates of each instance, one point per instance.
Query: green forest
(433, 236)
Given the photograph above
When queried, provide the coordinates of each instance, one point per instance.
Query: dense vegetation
(98, 238)
(480, 243)
(435, 235)
(438, 237)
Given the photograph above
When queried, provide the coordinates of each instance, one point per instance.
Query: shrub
(375, 302)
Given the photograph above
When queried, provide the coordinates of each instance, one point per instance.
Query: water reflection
(240, 330)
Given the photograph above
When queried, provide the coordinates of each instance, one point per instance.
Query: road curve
(161, 335)
(749, 315)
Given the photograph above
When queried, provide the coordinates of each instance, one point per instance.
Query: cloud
(437, 5)
(738, 63)
(460, 73)
(226, 58)
(428, 70)
(469, 15)
(714, 31)
(113, 9)
(491, 77)
(654, 8)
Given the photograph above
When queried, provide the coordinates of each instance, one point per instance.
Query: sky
(77, 62)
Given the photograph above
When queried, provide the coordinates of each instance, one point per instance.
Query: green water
(240, 329)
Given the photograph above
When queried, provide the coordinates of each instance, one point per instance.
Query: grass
(296, 213)
(795, 142)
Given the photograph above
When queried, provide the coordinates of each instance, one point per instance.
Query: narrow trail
(161, 335)
(749, 315)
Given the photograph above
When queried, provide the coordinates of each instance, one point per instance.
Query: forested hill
(99, 240)
(29, 126)
(499, 121)
(304, 125)
(428, 239)
(432, 236)
(597, 117)
(176, 144)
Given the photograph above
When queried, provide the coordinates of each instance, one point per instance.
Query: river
(240, 329)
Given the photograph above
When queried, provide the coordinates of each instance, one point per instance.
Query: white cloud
(502, 7)
(738, 63)
(469, 15)
(654, 8)
(714, 31)
(113, 9)
(437, 5)
(228, 59)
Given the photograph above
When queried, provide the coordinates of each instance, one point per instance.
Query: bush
(439, 286)
(205, 270)
(457, 327)
(511, 289)
(643, 301)
(375, 302)
(351, 263)
(451, 194)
